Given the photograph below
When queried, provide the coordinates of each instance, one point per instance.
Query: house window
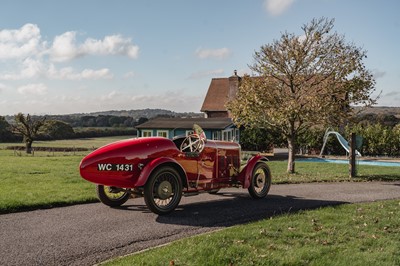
(217, 135)
(147, 133)
(227, 135)
(237, 135)
(162, 133)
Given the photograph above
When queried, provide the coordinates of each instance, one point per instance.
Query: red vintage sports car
(162, 170)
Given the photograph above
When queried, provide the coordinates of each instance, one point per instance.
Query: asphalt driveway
(91, 233)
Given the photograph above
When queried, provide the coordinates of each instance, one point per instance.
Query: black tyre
(163, 190)
(112, 196)
(260, 182)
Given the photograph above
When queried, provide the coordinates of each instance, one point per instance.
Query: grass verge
(356, 234)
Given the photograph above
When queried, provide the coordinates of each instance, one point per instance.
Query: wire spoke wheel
(163, 190)
(112, 196)
(260, 182)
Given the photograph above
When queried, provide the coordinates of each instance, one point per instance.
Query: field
(45, 179)
(48, 178)
(90, 143)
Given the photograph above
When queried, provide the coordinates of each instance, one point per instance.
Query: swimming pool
(358, 162)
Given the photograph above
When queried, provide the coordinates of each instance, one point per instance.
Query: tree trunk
(292, 153)
(28, 145)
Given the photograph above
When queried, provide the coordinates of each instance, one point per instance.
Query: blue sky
(61, 57)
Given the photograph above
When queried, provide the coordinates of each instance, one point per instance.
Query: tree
(5, 133)
(259, 139)
(142, 120)
(28, 128)
(56, 129)
(301, 81)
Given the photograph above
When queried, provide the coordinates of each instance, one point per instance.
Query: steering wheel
(192, 143)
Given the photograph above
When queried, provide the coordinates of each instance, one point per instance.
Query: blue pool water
(358, 162)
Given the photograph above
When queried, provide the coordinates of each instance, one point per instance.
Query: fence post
(352, 159)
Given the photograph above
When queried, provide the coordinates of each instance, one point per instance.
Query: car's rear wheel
(163, 190)
(112, 196)
(260, 181)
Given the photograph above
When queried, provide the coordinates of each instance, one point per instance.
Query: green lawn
(307, 172)
(35, 182)
(356, 234)
(45, 179)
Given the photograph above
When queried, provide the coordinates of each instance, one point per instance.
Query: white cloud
(26, 45)
(65, 48)
(20, 43)
(277, 7)
(113, 45)
(2, 87)
(68, 73)
(31, 69)
(103, 73)
(205, 74)
(33, 89)
(27, 42)
(130, 74)
(221, 53)
(109, 96)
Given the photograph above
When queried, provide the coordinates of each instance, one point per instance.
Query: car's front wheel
(112, 196)
(260, 181)
(163, 190)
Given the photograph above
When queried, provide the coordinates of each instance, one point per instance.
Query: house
(217, 123)
(220, 128)
(220, 91)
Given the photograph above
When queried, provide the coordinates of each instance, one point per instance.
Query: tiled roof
(186, 123)
(217, 95)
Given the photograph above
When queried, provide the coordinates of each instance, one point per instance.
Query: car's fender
(152, 165)
(247, 171)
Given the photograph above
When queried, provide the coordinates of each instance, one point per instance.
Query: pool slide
(341, 139)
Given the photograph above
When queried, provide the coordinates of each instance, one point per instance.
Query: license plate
(124, 167)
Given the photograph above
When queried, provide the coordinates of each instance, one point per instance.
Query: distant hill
(378, 110)
(146, 113)
(133, 114)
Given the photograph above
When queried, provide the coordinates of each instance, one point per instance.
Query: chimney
(234, 82)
